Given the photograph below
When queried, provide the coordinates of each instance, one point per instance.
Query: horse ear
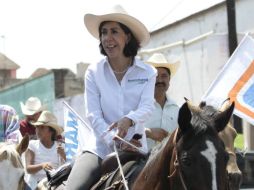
(22, 146)
(202, 104)
(223, 118)
(184, 117)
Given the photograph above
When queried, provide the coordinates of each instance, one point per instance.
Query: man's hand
(156, 134)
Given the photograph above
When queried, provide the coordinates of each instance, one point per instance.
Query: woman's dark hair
(130, 49)
(53, 136)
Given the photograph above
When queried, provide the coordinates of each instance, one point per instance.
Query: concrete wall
(200, 42)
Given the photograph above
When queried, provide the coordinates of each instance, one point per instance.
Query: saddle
(132, 163)
(56, 177)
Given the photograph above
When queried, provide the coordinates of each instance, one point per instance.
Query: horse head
(12, 169)
(200, 158)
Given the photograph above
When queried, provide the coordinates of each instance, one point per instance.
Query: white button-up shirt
(107, 101)
(164, 118)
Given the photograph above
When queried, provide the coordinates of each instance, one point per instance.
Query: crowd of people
(124, 97)
(44, 152)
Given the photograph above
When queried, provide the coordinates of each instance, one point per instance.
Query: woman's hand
(46, 166)
(122, 126)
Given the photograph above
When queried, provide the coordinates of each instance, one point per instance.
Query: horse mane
(204, 119)
(8, 152)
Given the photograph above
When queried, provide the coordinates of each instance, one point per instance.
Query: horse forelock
(8, 152)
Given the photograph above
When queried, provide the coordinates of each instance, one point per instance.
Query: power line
(168, 13)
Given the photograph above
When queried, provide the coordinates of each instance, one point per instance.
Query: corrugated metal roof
(6, 63)
(184, 9)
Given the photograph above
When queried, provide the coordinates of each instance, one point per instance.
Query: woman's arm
(34, 168)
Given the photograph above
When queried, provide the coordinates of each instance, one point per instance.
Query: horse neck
(155, 173)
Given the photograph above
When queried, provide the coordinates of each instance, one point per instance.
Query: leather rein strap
(176, 163)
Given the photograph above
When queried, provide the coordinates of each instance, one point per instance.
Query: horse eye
(185, 159)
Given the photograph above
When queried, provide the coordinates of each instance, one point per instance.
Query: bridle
(176, 163)
(177, 166)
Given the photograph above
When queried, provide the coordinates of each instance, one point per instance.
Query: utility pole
(3, 41)
(232, 44)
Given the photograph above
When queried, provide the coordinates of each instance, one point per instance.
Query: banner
(236, 81)
(78, 135)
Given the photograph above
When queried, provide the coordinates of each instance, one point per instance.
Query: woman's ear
(128, 38)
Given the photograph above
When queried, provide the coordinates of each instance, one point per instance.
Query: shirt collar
(137, 63)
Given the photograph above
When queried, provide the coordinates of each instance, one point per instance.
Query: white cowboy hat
(32, 106)
(118, 14)
(159, 60)
(48, 119)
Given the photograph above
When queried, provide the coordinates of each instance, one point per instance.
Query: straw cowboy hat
(159, 60)
(32, 106)
(48, 119)
(118, 14)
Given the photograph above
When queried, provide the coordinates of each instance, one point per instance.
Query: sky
(51, 33)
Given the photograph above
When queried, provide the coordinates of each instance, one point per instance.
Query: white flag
(78, 134)
(236, 81)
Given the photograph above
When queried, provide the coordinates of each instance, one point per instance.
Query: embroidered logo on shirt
(139, 81)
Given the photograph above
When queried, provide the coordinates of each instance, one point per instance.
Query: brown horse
(12, 170)
(193, 157)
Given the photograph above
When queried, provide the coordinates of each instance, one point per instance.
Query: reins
(176, 163)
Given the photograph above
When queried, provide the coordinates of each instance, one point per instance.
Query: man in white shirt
(164, 117)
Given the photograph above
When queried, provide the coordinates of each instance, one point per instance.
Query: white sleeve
(93, 109)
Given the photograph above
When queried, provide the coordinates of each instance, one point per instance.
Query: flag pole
(80, 118)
